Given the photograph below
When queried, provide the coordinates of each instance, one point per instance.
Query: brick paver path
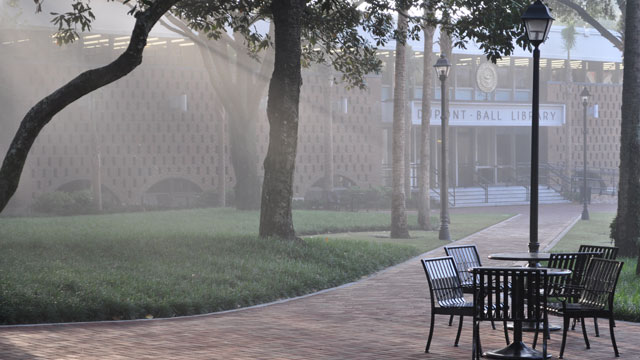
(382, 317)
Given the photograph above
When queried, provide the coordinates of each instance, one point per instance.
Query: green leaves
(81, 15)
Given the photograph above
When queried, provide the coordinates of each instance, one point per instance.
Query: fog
(164, 136)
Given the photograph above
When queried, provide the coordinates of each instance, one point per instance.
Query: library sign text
(470, 114)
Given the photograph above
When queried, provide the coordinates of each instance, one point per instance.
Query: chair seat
(466, 304)
(556, 308)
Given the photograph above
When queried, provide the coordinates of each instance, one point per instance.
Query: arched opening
(172, 193)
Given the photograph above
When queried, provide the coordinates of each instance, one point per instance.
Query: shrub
(64, 203)
(209, 198)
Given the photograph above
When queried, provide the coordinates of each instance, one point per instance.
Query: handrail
(484, 184)
(451, 190)
(570, 181)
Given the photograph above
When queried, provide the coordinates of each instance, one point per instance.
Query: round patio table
(518, 349)
(533, 258)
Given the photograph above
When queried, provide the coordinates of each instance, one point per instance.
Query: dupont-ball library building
(159, 136)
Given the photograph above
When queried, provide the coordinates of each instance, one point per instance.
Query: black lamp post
(442, 68)
(584, 95)
(537, 22)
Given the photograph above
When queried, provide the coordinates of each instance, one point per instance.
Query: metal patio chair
(445, 292)
(596, 299)
(568, 287)
(515, 294)
(607, 252)
(465, 257)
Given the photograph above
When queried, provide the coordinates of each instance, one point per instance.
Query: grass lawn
(171, 263)
(596, 232)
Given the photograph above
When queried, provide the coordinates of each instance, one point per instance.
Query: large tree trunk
(235, 80)
(40, 114)
(424, 203)
(282, 112)
(399, 228)
(242, 125)
(244, 158)
(626, 226)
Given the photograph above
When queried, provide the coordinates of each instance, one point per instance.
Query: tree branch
(593, 22)
(41, 113)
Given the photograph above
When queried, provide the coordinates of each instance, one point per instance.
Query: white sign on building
(487, 114)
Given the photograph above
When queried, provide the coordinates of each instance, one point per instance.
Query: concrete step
(500, 195)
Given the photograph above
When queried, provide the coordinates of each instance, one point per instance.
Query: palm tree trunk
(399, 228)
(424, 203)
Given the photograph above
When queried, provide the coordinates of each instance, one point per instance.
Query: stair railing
(451, 191)
(483, 183)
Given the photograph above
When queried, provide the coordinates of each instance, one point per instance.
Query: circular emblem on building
(487, 77)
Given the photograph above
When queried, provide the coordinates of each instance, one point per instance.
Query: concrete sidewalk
(382, 317)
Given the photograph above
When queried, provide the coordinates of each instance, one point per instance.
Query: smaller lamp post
(584, 95)
(442, 68)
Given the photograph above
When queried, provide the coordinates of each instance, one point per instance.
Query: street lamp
(537, 22)
(584, 95)
(442, 68)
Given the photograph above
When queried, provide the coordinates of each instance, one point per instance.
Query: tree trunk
(408, 144)
(399, 228)
(626, 226)
(424, 202)
(41, 113)
(244, 158)
(446, 47)
(282, 112)
(568, 72)
(240, 87)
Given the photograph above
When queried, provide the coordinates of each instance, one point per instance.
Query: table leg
(517, 349)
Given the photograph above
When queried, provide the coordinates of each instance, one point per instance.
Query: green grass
(461, 226)
(596, 232)
(164, 264)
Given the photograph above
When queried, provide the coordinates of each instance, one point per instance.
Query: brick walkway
(382, 317)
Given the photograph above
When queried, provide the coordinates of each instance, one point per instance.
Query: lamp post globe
(584, 96)
(537, 22)
(442, 67)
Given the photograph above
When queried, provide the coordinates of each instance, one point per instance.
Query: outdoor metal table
(533, 258)
(517, 349)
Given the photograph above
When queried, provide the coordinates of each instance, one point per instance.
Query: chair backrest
(465, 257)
(600, 280)
(608, 252)
(444, 284)
(569, 286)
(509, 293)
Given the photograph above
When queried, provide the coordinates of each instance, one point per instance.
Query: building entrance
(490, 155)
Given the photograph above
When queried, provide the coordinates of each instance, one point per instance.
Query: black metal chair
(568, 287)
(515, 294)
(607, 252)
(446, 292)
(465, 257)
(596, 299)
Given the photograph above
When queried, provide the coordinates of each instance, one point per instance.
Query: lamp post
(584, 95)
(537, 22)
(442, 68)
